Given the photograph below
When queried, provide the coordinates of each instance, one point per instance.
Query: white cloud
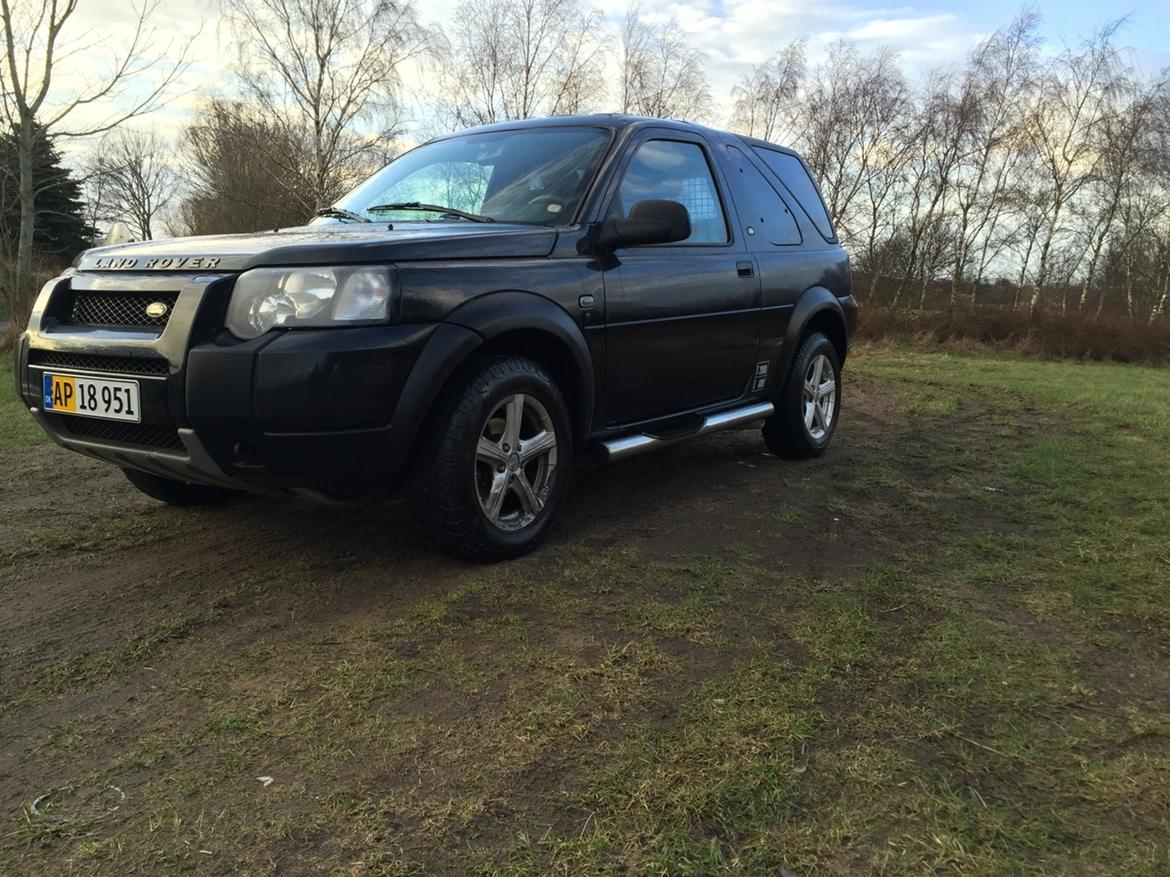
(901, 29)
(734, 34)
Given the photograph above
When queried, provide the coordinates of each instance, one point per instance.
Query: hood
(333, 243)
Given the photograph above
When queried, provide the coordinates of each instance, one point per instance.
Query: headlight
(267, 298)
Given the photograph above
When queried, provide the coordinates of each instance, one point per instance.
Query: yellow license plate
(92, 397)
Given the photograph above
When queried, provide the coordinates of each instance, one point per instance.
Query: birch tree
(329, 68)
(765, 100)
(998, 83)
(516, 59)
(661, 72)
(1074, 102)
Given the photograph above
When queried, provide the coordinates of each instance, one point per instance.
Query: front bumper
(311, 409)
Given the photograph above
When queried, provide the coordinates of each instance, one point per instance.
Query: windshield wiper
(430, 208)
(340, 213)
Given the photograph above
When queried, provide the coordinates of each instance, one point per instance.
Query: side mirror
(649, 222)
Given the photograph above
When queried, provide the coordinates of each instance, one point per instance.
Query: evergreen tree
(61, 231)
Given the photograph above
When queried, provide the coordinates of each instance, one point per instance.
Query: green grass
(18, 431)
(1134, 398)
(982, 692)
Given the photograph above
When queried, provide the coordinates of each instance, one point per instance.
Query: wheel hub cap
(819, 397)
(515, 462)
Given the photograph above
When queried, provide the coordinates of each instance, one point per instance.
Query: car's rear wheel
(177, 493)
(809, 406)
(490, 485)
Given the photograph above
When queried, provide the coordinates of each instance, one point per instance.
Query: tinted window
(675, 171)
(762, 208)
(792, 174)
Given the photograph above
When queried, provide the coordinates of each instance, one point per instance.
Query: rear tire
(177, 493)
(809, 406)
(488, 486)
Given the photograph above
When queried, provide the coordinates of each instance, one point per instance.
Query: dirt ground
(73, 595)
(421, 715)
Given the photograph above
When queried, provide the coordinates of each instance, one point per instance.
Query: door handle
(745, 269)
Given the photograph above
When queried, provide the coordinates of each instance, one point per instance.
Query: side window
(675, 171)
(793, 174)
(763, 209)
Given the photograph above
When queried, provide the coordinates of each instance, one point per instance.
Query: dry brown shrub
(1050, 333)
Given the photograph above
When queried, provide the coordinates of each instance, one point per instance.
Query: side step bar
(627, 446)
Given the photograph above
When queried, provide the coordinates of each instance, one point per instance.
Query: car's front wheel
(489, 485)
(177, 493)
(809, 404)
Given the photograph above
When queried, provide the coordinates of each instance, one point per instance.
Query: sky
(734, 34)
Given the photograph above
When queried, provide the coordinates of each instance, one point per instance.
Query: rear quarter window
(795, 177)
(763, 209)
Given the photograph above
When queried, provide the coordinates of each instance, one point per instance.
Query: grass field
(944, 647)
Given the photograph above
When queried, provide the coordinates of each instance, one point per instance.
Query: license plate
(92, 397)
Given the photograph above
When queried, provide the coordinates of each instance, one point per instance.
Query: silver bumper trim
(195, 467)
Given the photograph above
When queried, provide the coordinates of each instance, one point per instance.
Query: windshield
(535, 176)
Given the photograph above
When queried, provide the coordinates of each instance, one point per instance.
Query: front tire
(177, 493)
(489, 486)
(810, 404)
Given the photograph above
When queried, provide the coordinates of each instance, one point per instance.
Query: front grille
(123, 365)
(140, 435)
(119, 310)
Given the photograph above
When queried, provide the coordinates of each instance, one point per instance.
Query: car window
(675, 171)
(458, 184)
(763, 210)
(794, 175)
(536, 175)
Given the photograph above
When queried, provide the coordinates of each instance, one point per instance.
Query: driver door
(682, 319)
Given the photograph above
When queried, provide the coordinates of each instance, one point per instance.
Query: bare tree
(851, 121)
(516, 59)
(329, 68)
(997, 87)
(1127, 144)
(764, 100)
(949, 115)
(1053, 170)
(874, 239)
(1160, 177)
(1162, 303)
(1074, 102)
(133, 178)
(95, 184)
(237, 171)
(38, 43)
(661, 73)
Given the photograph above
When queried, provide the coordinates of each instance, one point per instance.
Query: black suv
(467, 321)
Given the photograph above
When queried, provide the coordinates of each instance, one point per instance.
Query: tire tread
(438, 484)
(784, 432)
(180, 494)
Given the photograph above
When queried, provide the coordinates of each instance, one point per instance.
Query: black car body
(646, 343)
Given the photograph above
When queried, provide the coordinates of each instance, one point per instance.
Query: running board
(627, 446)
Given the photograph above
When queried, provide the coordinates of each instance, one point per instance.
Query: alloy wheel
(515, 462)
(819, 397)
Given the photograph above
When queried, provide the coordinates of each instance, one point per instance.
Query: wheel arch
(500, 323)
(527, 324)
(817, 310)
